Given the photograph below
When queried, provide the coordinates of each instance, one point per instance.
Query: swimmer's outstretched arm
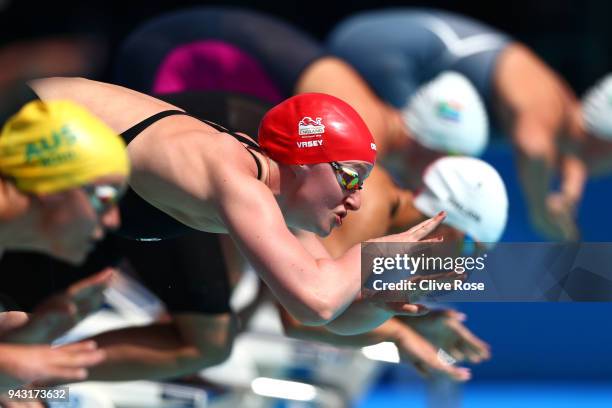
(386, 208)
(313, 290)
(23, 364)
(188, 343)
(25, 353)
(57, 314)
(540, 109)
(389, 331)
(562, 205)
(360, 315)
(538, 163)
(419, 349)
(534, 140)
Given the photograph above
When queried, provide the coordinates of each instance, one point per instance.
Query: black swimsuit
(141, 220)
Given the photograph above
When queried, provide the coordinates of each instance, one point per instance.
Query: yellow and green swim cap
(53, 146)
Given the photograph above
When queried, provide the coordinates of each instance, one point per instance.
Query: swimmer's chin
(320, 231)
(325, 233)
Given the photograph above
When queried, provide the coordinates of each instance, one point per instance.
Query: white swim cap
(447, 115)
(471, 192)
(597, 109)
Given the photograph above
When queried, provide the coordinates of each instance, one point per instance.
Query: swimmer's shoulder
(117, 106)
(185, 146)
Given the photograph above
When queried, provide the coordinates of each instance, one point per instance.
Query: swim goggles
(102, 197)
(348, 178)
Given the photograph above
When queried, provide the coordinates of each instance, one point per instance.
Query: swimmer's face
(72, 221)
(321, 202)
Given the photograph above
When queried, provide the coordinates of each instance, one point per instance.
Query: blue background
(546, 340)
(544, 354)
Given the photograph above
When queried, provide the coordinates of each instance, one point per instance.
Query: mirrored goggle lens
(349, 181)
(348, 178)
(103, 197)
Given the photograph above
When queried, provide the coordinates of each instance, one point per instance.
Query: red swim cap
(315, 128)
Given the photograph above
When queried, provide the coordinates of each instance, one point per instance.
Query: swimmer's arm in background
(412, 347)
(24, 364)
(537, 106)
(552, 213)
(188, 343)
(12, 320)
(574, 177)
(293, 328)
(26, 353)
(58, 313)
(537, 154)
(563, 205)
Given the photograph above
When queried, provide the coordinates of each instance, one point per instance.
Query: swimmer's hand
(418, 233)
(25, 364)
(61, 312)
(5, 402)
(561, 218)
(445, 330)
(425, 357)
(556, 220)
